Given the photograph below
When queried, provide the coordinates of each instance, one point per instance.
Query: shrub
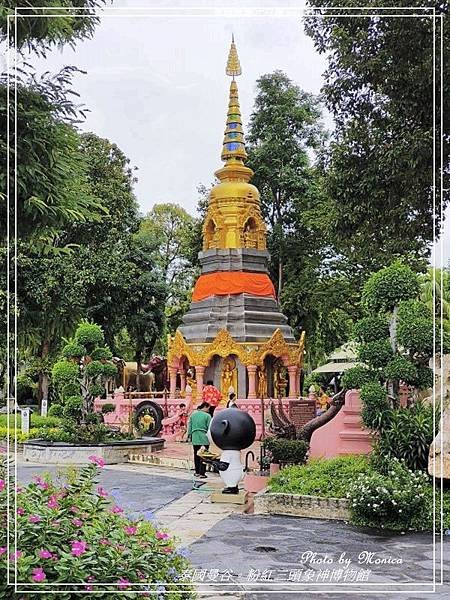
(376, 407)
(109, 370)
(89, 335)
(56, 410)
(413, 309)
(425, 377)
(389, 286)
(286, 451)
(13, 434)
(401, 368)
(329, 478)
(75, 534)
(97, 389)
(376, 354)
(390, 501)
(64, 372)
(72, 408)
(408, 436)
(416, 335)
(370, 329)
(94, 368)
(356, 377)
(72, 350)
(103, 353)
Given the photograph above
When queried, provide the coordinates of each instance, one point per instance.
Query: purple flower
(102, 492)
(160, 535)
(45, 554)
(130, 530)
(15, 555)
(2, 485)
(39, 574)
(34, 518)
(78, 548)
(77, 522)
(97, 460)
(117, 509)
(53, 502)
(123, 583)
(20, 511)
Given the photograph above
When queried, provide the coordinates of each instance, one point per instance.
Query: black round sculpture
(232, 429)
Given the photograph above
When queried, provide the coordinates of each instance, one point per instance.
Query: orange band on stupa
(223, 283)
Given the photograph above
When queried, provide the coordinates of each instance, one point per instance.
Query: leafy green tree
(284, 126)
(285, 135)
(81, 374)
(37, 29)
(396, 338)
(172, 230)
(379, 167)
(52, 189)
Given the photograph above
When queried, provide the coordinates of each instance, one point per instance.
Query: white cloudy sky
(156, 85)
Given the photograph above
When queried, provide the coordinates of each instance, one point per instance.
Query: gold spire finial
(233, 66)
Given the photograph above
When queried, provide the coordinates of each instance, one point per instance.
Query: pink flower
(34, 518)
(78, 548)
(123, 583)
(89, 588)
(97, 460)
(160, 535)
(39, 574)
(91, 578)
(45, 554)
(117, 509)
(102, 492)
(19, 490)
(53, 502)
(104, 542)
(40, 482)
(73, 509)
(2, 550)
(130, 530)
(20, 511)
(2, 485)
(15, 555)
(167, 549)
(120, 548)
(77, 522)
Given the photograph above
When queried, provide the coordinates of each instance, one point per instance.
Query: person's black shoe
(196, 474)
(231, 490)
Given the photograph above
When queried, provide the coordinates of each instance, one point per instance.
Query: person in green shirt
(197, 429)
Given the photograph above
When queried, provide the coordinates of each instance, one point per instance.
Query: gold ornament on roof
(252, 353)
(233, 65)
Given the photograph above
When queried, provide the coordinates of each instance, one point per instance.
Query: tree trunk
(42, 392)
(393, 386)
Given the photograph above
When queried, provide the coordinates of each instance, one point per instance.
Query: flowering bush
(73, 535)
(392, 501)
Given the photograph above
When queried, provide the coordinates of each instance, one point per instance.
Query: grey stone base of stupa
(247, 318)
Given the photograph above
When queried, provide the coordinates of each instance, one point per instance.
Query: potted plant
(284, 452)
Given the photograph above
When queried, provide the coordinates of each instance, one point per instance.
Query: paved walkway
(248, 553)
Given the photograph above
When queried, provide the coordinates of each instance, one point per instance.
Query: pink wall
(344, 434)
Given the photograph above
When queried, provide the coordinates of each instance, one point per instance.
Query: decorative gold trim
(249, 353)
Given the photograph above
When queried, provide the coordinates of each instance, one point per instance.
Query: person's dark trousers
(200, 466)
(211, 410)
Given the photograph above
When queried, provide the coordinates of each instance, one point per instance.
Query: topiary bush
(376, 407)
(386, 288)
(357, 376)
(76, 534)
(389, 501)
(285, 451)
(89, 335)
(376, 354)
(371, 329)
(72, 350)
(401, 368)
(65, 372)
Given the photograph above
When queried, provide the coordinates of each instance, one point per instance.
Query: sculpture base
(240, 498)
